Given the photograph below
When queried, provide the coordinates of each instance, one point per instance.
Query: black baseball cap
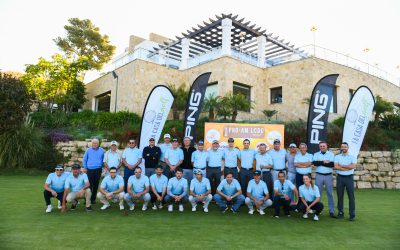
(231, 140)
(76, 166)
(151, 139)
(201, 142)
(257, 172)
(277, 141)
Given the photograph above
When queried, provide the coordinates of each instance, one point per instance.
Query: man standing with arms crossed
(199, 158)
(345, 165)
(187, 165)
(93, 162)
(247, 161)
(231, 155)
(151, 155)
(215, 166)
(164, 147)
(173, 157)
(324, 163)
(278, 156)
(131, 157)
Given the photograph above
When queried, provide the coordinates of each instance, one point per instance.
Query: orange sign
(256, 133)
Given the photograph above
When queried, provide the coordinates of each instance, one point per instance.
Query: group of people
(231, 177)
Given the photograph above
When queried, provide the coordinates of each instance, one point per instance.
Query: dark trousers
(267, 177)
(127, 173)
(245, 176)
(281, 202)
(214, 176)
(342, 182)
(299, 180)
(166, 171)
(234, 172)
(48, 195)
(318, 207)
(154, 197)
(94, 176)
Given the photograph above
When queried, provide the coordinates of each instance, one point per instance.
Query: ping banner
(194, 105)
(318, 113)
(357, 118)
(155, 114)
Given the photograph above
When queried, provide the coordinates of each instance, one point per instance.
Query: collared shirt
(138, 185)
(285, 188)
(231, 157)
(159, 183)
(310, 193)
(57, 182)
(187, 157)
(199, 159)
(151, 156)
(112, 158)
(200, 187)
(300, 158)
(229, 189)
(290, 162)
(263, 160)
(177, 187)
(246, 157)
(215, 158)
(76, 184)
(257, 190)
(327, 156)
(164, 147)
(132, 155)
(93, 158)
(278, 158)
(174, 155)
(343, 159)
(110, 185)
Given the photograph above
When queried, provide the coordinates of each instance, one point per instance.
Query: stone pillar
(262, 41)
(94, 104)
(226, 36)
(162, 57)
(185, 53)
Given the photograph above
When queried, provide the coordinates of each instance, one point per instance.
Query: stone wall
(376, 169)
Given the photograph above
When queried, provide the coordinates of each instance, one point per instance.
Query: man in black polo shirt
(151, 155)
(187, 159)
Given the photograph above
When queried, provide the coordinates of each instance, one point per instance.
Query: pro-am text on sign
(244, 132)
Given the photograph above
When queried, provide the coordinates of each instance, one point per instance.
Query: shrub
(59, 136)
(295, 131)
(339, 122)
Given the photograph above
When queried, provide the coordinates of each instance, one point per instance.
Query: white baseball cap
(167, 136)
(292, 145)
(114, 143)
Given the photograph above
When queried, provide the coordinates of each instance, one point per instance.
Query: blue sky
(28, 27)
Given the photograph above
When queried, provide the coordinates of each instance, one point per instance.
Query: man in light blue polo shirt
(303, 163)
(176, 191)
(158, 190)
(200, 191)
(199, 158)
(131, 158)
(93, 162)
(112, 189)
(323, 162)
(164, 147)
(345, 165)
(257, 194)
(77, 186)
(138, 188)
(247, 162)
(174, 157)
(229, 192)
(231, 155)
(278, 156)
(215, 166)
(264, 164)
(112, 158)
(284, 190)
(54, 187)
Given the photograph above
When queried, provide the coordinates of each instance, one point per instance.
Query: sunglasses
(131, 142)
(59, 169)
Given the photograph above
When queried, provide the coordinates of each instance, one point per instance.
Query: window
(212, 89)
(333, 107)
(276, 95)
(239, 88)
(103, 102)
(351, 93)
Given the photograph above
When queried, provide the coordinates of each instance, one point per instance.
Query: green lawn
(24, 225)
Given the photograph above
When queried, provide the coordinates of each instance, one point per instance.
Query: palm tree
(269, 113)
(210, 105)
(224, 107)
(381, 107)
(237, 102)
(181, 95)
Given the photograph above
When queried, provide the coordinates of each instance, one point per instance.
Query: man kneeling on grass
(257, 194)
(138, 188)
(77, 187)
(112, 189)
(176, 190)
(200, 191)
(229, 191)
(54, 187)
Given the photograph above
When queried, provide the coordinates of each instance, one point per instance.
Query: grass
(24, 225)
